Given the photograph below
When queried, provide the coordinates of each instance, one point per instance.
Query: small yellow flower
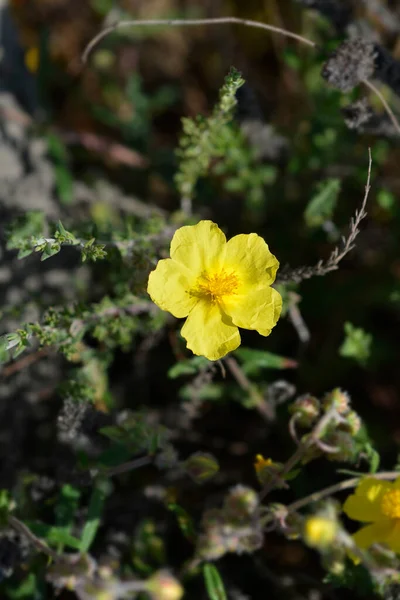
(260, 463)
(319, 531)
(32, 58)
(218, 285)
(378, 503)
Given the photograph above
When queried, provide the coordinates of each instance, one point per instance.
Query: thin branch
(23, 530)
(386, 106)
(189, 23)
(313, 438)
(24, 362)
(322, 268)
(131, 465)
(339, 487)
(260, 403)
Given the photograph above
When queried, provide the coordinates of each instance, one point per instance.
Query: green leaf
(55, 536)
(66, 508)
(185, 521)
(373, 457)
(95, 510)
(190, 366)
(357, 344)
(26, 589)
(214, 584)
(323, 203)
(254, 361)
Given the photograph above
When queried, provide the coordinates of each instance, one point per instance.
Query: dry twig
(190, 23)
(322, 268)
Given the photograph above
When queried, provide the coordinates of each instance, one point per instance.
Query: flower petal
(376, 533)
(209, 332)
(250, 257)
(365, 504)
(259, 310)
(396, 484)
(198, 247)
(393, 539)
(169, 286)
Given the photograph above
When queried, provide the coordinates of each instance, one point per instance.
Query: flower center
(216, 285)
(390, 505)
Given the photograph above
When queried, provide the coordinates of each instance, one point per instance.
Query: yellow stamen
(215, 286)
(390, 505)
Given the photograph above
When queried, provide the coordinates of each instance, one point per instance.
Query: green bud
(344, 441)
(210, 546)
(201, 467)
(353, 422)
(337, 399)
(241, 503)
(306, 409)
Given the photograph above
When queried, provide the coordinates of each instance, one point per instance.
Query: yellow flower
(378, 503)
(218, 285)
(319, 531)
(260, 463)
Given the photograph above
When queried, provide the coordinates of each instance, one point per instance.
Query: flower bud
(337, 399)
(250, 543)
(241, 503)
(163, 586)
(306, 409)
(268, 471)
(346, 447)
(210, 546)
(333, 561)
(353, 422)
(319, 532)
(201, 466)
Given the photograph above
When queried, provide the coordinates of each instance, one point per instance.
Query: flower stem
(302, 449)
(338, 487)
(189, 23)
(22, 529)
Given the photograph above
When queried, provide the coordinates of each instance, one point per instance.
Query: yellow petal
(377, 533)
(365, 504)
(209, 332)
(393, 539)
(169, 286)
(259, 310)
(396, 484)
(199, 247)
(250, 257)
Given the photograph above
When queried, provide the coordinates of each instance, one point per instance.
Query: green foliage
(353, 577)
(201, 139)
(136, 434)
(66, 508)
(184, 520)
(357, 344)
(190, 366)
(99, 494)
(255, 361)
(323, 203)
(148, 549)
(22, 239)
(214, 584)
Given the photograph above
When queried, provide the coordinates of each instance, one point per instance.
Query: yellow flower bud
(319, 532)
(163, 586)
